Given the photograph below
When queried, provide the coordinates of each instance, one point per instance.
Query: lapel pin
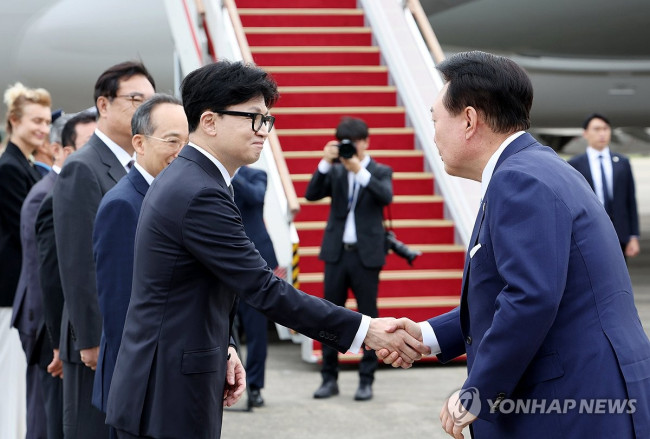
(615, 159)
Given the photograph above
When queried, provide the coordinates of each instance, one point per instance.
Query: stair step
(329, 75)
(433, 231)
(331, 96)
(301, 139)
(328, 117)
(399, 283)
(433, 257)
(302, 36)
(310, 17)
(404, 183)
(402, 207)
(315, 55)
(405, 160)
(335, 4)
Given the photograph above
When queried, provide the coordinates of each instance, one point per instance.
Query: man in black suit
(605, 169)
(83, 181)
(28, 124)
(193, 261)
(353, 243)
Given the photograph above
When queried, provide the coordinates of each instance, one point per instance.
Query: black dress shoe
(364, 392)
(327, 389)
(255, 398)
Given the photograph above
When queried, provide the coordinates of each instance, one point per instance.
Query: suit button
(321, 334)
(468, 339)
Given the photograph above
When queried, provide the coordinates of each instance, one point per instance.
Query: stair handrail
(418, 83)
(426, 30)
(274, 142)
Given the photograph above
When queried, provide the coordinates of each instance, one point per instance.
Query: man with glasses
(159, 129)
(193, 261)
(83, 181)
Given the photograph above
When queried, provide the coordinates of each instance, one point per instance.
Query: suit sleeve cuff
(324, 166)
(429, 338)
(361, 334)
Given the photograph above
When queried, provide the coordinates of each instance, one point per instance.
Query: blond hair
(17, 96)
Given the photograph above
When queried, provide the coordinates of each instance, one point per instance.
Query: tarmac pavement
(406, 403)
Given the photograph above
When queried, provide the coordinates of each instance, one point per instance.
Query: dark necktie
(355, 188)
(232, 191)
(130, 164)
(606, 198)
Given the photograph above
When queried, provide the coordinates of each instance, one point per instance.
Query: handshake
(397, 341)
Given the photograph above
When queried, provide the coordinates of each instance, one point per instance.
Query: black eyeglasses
(136, 98)
(257, 119)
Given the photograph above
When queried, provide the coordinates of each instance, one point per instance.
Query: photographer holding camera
(353, 243)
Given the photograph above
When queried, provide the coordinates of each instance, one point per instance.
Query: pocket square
(473, 251)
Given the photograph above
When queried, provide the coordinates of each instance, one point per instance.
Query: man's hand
(412, 328)
(331, 151)
(454, 416)
(235, 379)
(89, 357)
(383, 335)
(55, 368)
(632, 248)
(353, 164)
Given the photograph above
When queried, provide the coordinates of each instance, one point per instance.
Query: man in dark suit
(43, 407)
(353, 243)
(175, 370)
(554, 344)
(605, 169)
(28, 124)
(83, 181)
(159, 128)
(249, 185)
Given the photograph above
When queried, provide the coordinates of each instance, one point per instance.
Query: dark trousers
(81, 419)
(36, 420)
(53, 402)
(254, 324)
(350, 273)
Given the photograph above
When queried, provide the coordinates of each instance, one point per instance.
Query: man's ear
(102, 105)
(207, 123)
(471, 119)
(138, 143)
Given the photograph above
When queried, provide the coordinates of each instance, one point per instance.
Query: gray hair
(141, 121)
(57, 128)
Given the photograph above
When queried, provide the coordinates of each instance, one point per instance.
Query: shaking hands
(397, 341)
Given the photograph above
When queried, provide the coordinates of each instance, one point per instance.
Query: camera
(399, 248)
(347, 149)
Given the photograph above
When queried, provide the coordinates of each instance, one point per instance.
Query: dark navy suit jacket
(193, 261)
(249, 185)
(624, 212)
(28, 310)
(547, 310)
(113, 241)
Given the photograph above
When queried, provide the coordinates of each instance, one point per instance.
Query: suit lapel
(114, 168)
(138, 181)
(13, 150)
(190, 153)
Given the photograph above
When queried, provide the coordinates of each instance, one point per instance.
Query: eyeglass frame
(167, 141)
(132, 97)
(252, 116)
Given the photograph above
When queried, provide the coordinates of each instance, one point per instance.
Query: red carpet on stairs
(322, 57)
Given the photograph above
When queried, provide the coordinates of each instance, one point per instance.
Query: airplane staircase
(323, 58)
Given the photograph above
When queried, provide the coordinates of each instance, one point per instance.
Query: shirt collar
(213, 159)
(365, 161)
(122, 156)
(147, 177)
(56, 168)
(593, 153)
(492, 163)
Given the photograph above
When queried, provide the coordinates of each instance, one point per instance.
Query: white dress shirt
(147, 177)
(594, 167)
(428, 334)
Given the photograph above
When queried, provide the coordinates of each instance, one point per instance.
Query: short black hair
(498, 88)
(109, 82)
(219, 85)
(141, 120)
(352, 128)
(593, 116)
(69, 133)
